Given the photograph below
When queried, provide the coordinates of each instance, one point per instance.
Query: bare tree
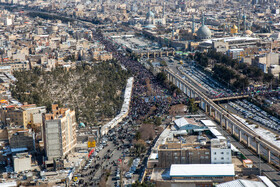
(147, 131)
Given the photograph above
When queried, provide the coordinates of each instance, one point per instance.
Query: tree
(158, 121)
(268, 77)
(138, 135)
(161, 76)
(140, 147)
(191, 56)
(144, 184)
(192, 106)
(147, 131)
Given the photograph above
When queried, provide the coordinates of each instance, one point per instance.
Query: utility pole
(260, 163)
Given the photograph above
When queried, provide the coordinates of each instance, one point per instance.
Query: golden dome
(234, 29)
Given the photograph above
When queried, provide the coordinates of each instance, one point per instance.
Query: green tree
(193, 108)
(157, 121)
(138, 135)
(140, 147)
(268, 77)
(144, 184)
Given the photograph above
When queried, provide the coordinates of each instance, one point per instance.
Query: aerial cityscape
(153, 93)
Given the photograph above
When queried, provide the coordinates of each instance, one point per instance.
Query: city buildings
(245, 32)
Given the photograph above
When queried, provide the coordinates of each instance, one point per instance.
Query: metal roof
(181, 122)
(242, 183)
(201, 170)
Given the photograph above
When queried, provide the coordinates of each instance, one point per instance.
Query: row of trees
(230, 76)
(231, 71)
(49, 16)
(162, 77)
(250, 71)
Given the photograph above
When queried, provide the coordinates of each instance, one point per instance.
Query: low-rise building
(220, 151)
(22, 162)
(20, 138)
(202, 172)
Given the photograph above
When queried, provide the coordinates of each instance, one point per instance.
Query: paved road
(266, 169)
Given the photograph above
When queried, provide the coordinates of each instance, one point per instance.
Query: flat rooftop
(202, 170)
(191, 142)
(231, 39)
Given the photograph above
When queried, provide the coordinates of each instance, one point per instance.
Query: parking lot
(254, 113)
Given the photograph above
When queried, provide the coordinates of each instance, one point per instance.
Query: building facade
(59, 132)
(169, 154)
(220, 151)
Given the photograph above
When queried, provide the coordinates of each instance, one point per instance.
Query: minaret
(239, 22)
(149, 18)
(244, 21)
(163, 14)
(203, 20)
(163, 11)
(173, 31)
(193, 24)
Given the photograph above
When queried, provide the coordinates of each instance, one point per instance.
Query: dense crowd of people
(142, 102)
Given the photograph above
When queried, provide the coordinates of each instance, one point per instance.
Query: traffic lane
(174, 68)
(102, 160)
(97, 159)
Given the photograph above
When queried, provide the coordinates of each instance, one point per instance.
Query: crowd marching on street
(141, 102)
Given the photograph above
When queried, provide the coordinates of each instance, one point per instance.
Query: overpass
(154, 53)
(230, 98)
(237, 129)
(218, 99)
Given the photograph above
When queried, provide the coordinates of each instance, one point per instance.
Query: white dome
(203, 32)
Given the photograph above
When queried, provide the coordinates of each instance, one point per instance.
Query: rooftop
(201, 170)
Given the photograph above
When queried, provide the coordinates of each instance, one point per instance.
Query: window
(227, 153)
(175, 154)
(215, 158)
(207, 153)
(176, 158)
(222, 153)
(222, 158)
(206, 157)
(215, 153)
